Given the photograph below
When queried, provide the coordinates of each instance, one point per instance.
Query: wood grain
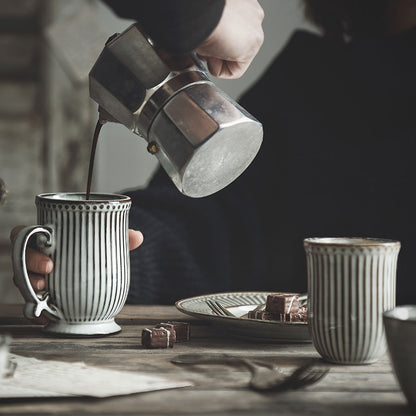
(218, 389)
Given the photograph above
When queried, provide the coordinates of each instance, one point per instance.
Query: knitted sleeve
(192, 246)
(178, 26)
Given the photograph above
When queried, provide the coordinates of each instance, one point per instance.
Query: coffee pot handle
(35, 303)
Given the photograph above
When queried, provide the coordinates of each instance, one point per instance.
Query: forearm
(192, 246)
(178, 26)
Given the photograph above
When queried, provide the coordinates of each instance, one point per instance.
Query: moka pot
(202, 138)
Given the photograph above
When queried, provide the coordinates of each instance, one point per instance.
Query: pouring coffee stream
(202, 138)
(92, 157)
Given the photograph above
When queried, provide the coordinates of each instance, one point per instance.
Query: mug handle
(35, 303)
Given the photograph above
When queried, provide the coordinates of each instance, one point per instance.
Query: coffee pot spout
(104, 116)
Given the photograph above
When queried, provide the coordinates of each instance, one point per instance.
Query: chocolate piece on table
(181, 328)
(277, 303)
(158, 337)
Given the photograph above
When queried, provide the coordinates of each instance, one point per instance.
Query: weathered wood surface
(220, 390)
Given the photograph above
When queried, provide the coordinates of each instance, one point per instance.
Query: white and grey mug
(88, 243)
(400, 326)
(351, 282)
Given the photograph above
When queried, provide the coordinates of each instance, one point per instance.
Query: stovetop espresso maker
(202, 138)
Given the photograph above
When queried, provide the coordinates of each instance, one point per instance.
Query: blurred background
(47, 48)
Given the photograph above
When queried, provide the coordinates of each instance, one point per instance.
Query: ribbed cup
(351, 282)
(400, 326)
(91, 275)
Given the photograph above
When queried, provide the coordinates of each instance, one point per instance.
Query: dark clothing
(338, 159)
(178, 26)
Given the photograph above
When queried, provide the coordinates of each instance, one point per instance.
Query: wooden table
(220, 390)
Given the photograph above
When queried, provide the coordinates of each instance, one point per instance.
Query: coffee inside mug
(81, 196)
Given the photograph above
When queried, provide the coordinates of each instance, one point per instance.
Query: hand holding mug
(88, 241)
(39, 264)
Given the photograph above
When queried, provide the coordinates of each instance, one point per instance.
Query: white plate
(240, 303)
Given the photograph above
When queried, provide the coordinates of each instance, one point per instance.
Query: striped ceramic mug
(351, 282)
(88, 242)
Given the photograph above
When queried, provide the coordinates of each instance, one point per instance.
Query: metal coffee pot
(202, 138)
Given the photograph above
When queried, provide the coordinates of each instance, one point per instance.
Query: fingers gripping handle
(35, 303)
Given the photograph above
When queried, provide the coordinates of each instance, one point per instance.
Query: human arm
(226, 34)
(194, 245)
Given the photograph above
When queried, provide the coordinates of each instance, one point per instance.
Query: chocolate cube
(181, 328)
(262, 315)
(282, 303)
(158, 337)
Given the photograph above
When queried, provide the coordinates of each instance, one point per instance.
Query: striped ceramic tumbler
(351, 282)
(88, 243)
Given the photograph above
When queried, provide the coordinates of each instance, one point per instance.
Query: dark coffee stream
(92, 156)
